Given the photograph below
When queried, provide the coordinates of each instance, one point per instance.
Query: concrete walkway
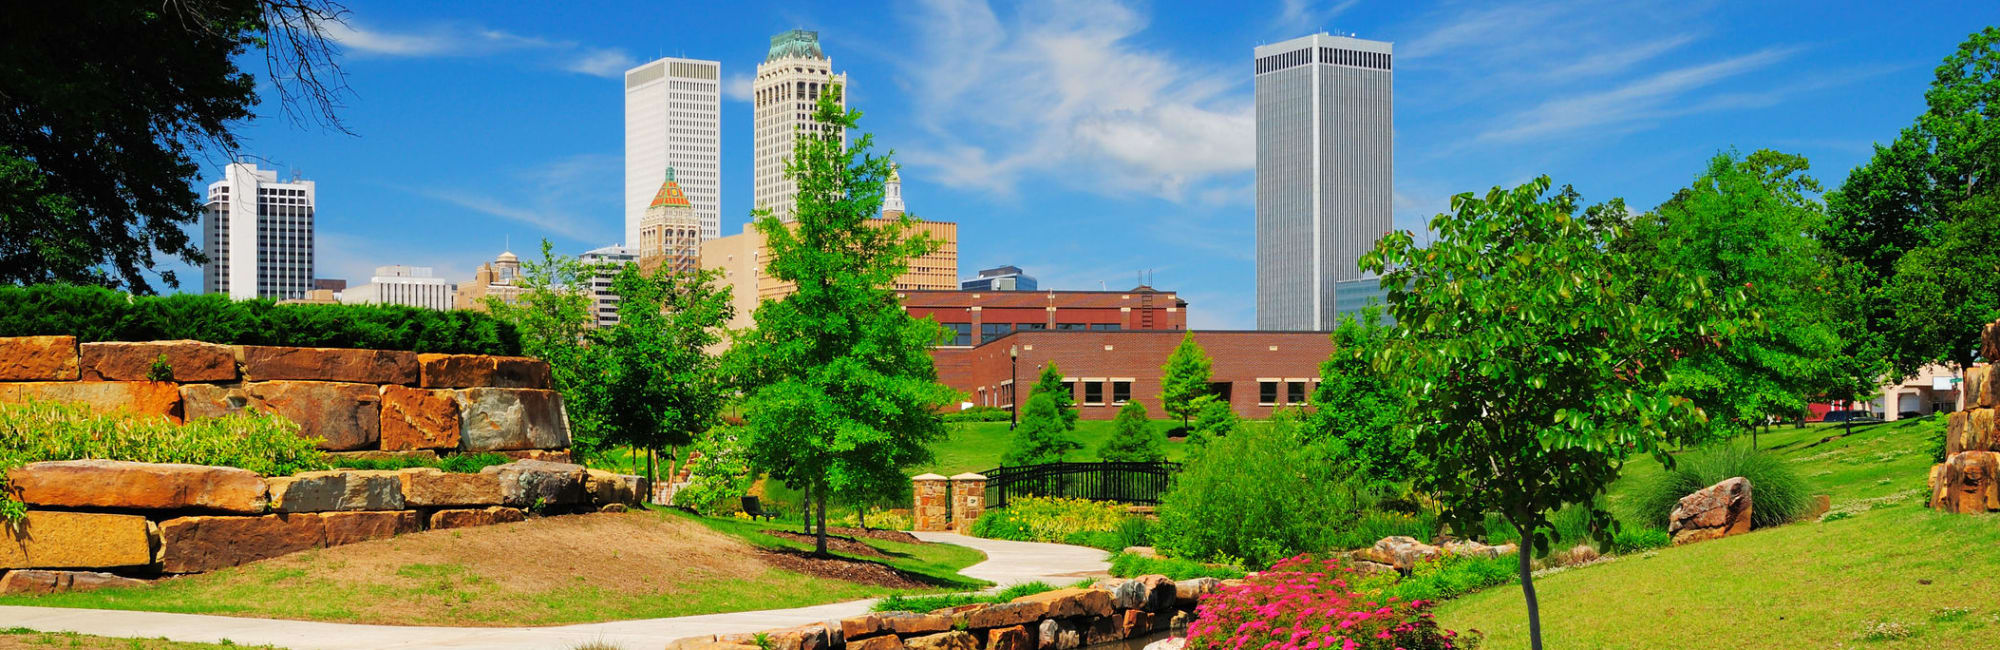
(1006, 563)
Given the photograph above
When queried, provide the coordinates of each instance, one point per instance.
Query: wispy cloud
(1650, 98)
(607, 63)
(737, 87)
(542, 198)
(468, 41)
(1300, 16)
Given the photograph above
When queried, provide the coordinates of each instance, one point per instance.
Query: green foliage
(1133, 438)
(1184, 378)
(1133, 565)
(454, 463)
(1051, 382)
(664, 385)
(1040, 438)
(94, 314)
(1777, 495)
(160, 369)
(901, 603)
(553, 317)
(1049, 519)
(1961, 262)
(1636, 539)
(1260, 495)
(1213, 419)
(1373, 524)
(722, 475)
(1444, 578)
(979, 414)
(1357, 408)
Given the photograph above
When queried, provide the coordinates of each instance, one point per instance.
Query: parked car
(1855, 416)
(1908, 415)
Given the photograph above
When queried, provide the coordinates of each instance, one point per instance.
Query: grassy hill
(978, 446)
(1879, 571)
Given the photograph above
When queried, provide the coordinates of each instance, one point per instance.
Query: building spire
(892, 193)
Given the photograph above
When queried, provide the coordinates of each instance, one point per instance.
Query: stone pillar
(968, 500)
(931, 510)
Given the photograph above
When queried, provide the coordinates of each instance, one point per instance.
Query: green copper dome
(796, 43)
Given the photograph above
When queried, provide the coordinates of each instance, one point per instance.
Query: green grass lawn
(978, 446)
(1882, 571)
(939, 563)
(21, 637)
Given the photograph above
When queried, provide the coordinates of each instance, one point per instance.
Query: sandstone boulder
(953, 640)
(1125, 594)
(337, 489)
(805, 637)
(353, 527)
(342, 415)
(265, 363)
(1981, 389)
(1102, 630)
(855, 627)
(36, 582)
(198, 544)
(471, 517)
(611, 487)
(550, 455)
(1188, 592)
(1989, 341)
(1399, 551)
(1053, 634)
(1010, 638)
(415, 418)
(502, 419)
(534, 483)
(38, 358)
(1712, 512)
(1966, 482)
(429, 487)
(1468, 548)
(481, 371)
(47, 539)
(122, 485)
(1001, 615)
(1066, 603)
(135, 397)
(881, 642)
(1159, 593)
(1134, 622)
(413, 457)
(189, 361)
(907, 623)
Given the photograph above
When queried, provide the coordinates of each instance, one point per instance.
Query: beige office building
(787, 88)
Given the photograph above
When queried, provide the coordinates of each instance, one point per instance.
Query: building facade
(974, 318)
(1325, 164)
(740, 259)
(1001, 278)
(258, 234)
(673, 118)
(500, 278)
(670, 235)
(1255, 372)
(608, 260)
(1352, 297)
(416, 286)
(786, 91)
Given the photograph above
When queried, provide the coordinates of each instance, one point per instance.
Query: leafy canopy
(1051, 382)
(1040, 437)
(665, 386)
(1133, 438)
(1357, 409)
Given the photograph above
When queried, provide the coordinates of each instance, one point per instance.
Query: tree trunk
(861, 516)
(1526, 546)
(820, 541)
(805, 511)
(650, 459)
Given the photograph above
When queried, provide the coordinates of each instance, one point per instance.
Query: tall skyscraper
(673, 119)
(788, 86)
(258, 234)
(1325, 166)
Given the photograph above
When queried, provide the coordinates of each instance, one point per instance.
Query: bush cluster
(1306, 604)
(1777, 495)
(1057, 520)
(979, 414)
(1133, 565)
(1443, 578)
(901, 603)
(97, 314)
(1259, 495)
(454, 463)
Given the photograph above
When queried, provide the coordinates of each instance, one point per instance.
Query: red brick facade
(1249, 366)
(972, 317)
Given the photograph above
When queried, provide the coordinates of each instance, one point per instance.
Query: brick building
(1256, 371)
(973, 318)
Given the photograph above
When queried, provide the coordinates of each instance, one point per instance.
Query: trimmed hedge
(94, 314)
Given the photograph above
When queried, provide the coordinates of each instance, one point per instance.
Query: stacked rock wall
(157, 518)
(360, 402)
(1966, 481)
(1064, 619)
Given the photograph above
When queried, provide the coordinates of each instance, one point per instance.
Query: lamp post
(1014, 387)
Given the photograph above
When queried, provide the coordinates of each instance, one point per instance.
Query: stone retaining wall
(1110, 610)
(1966, 481)
(372, 402)
(148, 519)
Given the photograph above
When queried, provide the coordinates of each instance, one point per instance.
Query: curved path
(1006, 563)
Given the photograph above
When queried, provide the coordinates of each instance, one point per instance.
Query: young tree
(1943, 293)
(1051, 382)
(1040, 438)
(664, 385)
(1357, 409)
(842, 396)
(1133, 438)
(1536, 370)
(553, 315)
(1213, 418)
(1184, 378)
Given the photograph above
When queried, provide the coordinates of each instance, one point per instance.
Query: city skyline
(673, 120)
(278, 227)
(1174, 193)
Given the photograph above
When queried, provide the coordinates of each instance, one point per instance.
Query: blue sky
(1083, 142)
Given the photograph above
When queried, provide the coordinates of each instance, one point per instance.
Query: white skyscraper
(258, 235)
(673, 119)
(788, 86)
(416, 286)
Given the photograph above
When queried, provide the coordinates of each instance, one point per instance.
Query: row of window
(961, 333)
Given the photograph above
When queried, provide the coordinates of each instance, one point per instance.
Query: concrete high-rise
(416, 286)
(258, 234)
(1325, 165)
(673, 119)
(788, 86)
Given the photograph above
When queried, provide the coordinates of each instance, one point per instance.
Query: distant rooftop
(797, 43)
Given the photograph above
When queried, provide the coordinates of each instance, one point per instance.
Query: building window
(1093, 393)
(1024, 327)
(1065, 327)
(1267, 393)
(990, 331)
(1103, 327)
(1069, 390)
(1295, 392)
(1121, 392)
(957, 334)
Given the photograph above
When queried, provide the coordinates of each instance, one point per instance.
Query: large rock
(38, 358)
(37, 582)
(1134, 623)
(1189, 592)
(1712, 512)
(1010, 638)
(1980, 388)
(550, 455)
(429, 487)
(812, 636)
(264, 363)
(1055, 634)
(500, 419)
(1125, 594)
(1966, 482)
(415, 418)
(343, 416)
(46, 539)
(122, 485)
(1399, 551)
(469, 517)
(407, 458)
(1989, 341)
(352, 527)
(337, 489)
(953, 640)
(1001, 615)
(135, 397)
(856, 627)
(198, 544)
(908, 623)
(188, 361)
(1971, 430)
(481, 371)
(534, 483)
(1067, 603)
(882, 642)
(1468, 548)
(1159, 593)
(611, 487)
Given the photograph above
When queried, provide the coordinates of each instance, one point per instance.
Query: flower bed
(1306, 604)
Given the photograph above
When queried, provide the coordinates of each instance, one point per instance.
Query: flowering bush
(1306, 604)
(1048, 519)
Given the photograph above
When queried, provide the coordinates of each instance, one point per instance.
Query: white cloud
(1059, 90)
(737, 87)
(1300, 16)
(545, 198)
(609, 63)
(1632, 103)
(368, 41)
(464, 41)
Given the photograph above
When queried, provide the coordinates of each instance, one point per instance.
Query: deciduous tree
(1357, 408)
(1184, 378)
(665, 386)
(553, 315)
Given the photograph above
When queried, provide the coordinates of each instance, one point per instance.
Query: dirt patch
(867, 573)
(877, 533)
(836, 543)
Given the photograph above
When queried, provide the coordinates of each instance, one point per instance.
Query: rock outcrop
(1712, 512)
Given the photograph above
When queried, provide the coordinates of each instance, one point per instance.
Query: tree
(553, 316)
(842, 396)
(108, 104)
(1535, 369)
(1946, 291)
(1184, 378)
(664, 385)
(1357, 409)
(1051, 382)
(1040, 438)
(1213, 418)
(1133, 438)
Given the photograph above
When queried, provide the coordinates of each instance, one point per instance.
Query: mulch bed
(857, 571)
(877, 533)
